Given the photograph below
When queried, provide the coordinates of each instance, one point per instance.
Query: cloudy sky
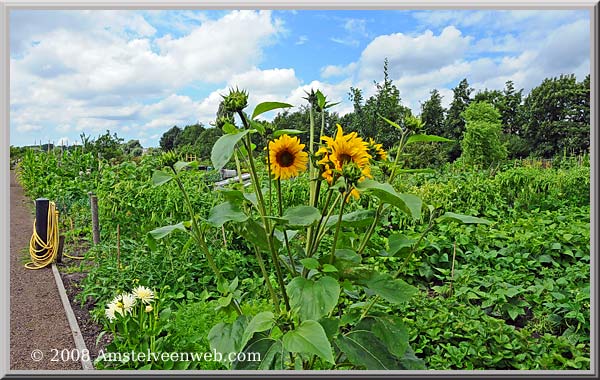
(138, 73)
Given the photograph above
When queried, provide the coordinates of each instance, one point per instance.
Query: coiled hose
(43, 253)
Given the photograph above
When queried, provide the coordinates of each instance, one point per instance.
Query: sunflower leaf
(268, 106)
(223, 148)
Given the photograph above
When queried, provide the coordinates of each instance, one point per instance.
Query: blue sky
(138, 73)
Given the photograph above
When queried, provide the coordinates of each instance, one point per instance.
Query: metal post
(41, 221)
(95, 223)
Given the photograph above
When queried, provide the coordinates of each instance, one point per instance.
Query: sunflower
(376, 150)
(346, 149)
(287, 157)
(324, 163)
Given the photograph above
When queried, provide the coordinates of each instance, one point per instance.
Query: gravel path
(37, 317)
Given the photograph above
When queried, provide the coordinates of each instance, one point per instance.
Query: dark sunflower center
(285, 159)
(345, 158)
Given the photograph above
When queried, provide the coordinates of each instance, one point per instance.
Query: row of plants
(339, 266)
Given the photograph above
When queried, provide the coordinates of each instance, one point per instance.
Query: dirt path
(37, 317)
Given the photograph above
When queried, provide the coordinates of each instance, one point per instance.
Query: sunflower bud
(312, 98)
(236, 101)
(169, 159)
(222, 120)
(352, 173)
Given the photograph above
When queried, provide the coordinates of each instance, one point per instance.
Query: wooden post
(95, 224)
(118, 247)
(41, 221)
(61, 246)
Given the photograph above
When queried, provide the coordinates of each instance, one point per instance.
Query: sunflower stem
(269, 177)
(285, 237)
(265, 274)
(323, 221)
(199, 237)
(238, 167)
(338, 226)
(262, 209)
(311, 173)
(378, 212)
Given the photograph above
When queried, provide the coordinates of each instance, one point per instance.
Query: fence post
(95, 224)
(41, 221)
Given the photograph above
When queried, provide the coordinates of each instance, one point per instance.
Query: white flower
(110, 311)
(144, 294)
(117, 305)
(80, 173)
(128, 302)
(149, 308)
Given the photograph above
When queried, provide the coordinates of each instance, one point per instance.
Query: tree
(455, 124)
(481, 144)
(557, 116)
(386, 102)
(133, 148)
(167, 140)
(510, 108)
(188, 135)
(493, 97)
(206, 140)
(432, 114)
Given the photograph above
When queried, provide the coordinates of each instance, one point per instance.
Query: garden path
(37, 316)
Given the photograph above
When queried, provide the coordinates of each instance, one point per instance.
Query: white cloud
(29, 127)
(348, 41)
(336, 71)
(358, 26)
(409, 55)
(301, 40)
(94, 70)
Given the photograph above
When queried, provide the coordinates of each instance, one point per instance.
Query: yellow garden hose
(46, 251)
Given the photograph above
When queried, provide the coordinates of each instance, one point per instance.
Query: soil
(37, 316)
(90, 330)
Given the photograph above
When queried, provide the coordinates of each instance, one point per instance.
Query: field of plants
(336, 256)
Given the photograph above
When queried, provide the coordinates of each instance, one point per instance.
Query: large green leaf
(393, 290)
(465, 219)
(398, 242)
(180, 165)
(411, 362)
(225, 212)
(309, 338)
(313, 299)
(161, 232)
(301, 216)
(261, 322)
(358, 218)
(223, 148)
(159, 177)
(228, 337)
(362, 348)
(410, 204)
(254, 233)
(426, 138)
(391, 123)
(271, 355)
(392, 332)
(268, 106)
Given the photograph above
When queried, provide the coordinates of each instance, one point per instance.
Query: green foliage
(481, 142)
(558, 116)
(448, 269)
(366, 119)
(167, 140)
(432, 114)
